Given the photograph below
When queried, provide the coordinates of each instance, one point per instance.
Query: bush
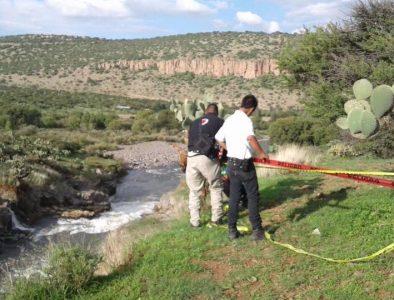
(27, 130)
(298, 130)
(119, 124)
(24, 115)
(291, 130)
(33, 288)
(70, 268)
(50, 121)
(382, 145)
(108, 165)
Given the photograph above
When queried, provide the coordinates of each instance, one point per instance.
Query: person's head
(249, 104)
(212, 108)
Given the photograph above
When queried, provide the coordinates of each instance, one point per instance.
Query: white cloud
(220, 5)
(219, 24)
(249, 18)
(300, 30)
(316, 10)
(193, 6)
(90, 8)
(273, 26)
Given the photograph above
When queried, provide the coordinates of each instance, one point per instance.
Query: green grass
(354, 220)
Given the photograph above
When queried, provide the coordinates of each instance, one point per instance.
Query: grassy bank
(354, 220)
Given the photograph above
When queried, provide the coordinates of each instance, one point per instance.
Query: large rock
(94, 200)
(77, 213)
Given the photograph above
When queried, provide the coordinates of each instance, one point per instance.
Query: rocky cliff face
(217, 67)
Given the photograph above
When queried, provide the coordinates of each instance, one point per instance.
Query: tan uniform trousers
(200, 168)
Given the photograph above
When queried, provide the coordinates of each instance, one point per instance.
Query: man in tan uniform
(203, 165)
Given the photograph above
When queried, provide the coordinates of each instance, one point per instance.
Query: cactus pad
(362, 89)
(359, 136)
(199, 114)
(179, 116)
(369, 123)
(186, 123)
(354, 120)
(342, 123)
(352, 104)
(382, 100)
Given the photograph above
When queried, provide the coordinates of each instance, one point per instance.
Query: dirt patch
(225, 251)
(219, 270)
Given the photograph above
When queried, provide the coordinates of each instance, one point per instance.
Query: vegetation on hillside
(328, 60)
(48, 54)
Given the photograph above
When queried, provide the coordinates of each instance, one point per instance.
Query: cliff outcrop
(217, 67)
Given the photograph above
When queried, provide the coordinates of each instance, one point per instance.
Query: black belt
(245, 165)
(239, 161)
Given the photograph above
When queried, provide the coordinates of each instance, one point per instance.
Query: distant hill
(134, 68)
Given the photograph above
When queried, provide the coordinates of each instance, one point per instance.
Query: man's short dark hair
(249, 101)
(212, 108)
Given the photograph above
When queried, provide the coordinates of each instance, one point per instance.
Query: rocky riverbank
(148, 154)
(72, 197)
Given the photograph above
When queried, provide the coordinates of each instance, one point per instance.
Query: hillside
(226, 65)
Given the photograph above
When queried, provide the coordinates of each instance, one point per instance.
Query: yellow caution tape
(245, 229)
(387, 249)
(242, 229)
(331, 171)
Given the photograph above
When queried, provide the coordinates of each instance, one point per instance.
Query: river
(136, 195)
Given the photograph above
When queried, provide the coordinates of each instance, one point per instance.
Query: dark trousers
(248, 180)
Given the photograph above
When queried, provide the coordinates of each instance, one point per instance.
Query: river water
(136, 195)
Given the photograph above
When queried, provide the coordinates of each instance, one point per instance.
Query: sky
(130, 19)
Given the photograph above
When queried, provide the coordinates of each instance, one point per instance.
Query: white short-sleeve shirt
(234, 133)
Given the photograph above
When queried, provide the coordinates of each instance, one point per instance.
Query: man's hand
(262, 156)
(259, 152)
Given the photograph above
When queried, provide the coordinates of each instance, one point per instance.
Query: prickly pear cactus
(190, 110)
(354, 120)
(369, 124)
(382, 100)
(362, 89)
(365, 113)
(342, 123)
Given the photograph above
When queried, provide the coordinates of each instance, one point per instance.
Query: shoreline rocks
(148, 154)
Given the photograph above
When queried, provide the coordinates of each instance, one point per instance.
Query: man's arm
(256, 147)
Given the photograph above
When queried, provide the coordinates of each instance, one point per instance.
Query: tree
(327, 61)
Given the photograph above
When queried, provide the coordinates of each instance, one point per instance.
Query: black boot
(233, 233)
(258, 235)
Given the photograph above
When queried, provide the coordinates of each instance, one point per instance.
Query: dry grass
(291, 153)
(117, 248)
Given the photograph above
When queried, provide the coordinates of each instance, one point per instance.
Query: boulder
(77, 213)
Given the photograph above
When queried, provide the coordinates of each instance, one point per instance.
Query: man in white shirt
(237, 137)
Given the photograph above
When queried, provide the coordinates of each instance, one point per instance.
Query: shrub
(108, 165)
(344, 150)
(24, 115)
(291, 130)
(27, 130)
(73, 121)
(70, 268)
(301, 131)
(383, 144)
(50, 121)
